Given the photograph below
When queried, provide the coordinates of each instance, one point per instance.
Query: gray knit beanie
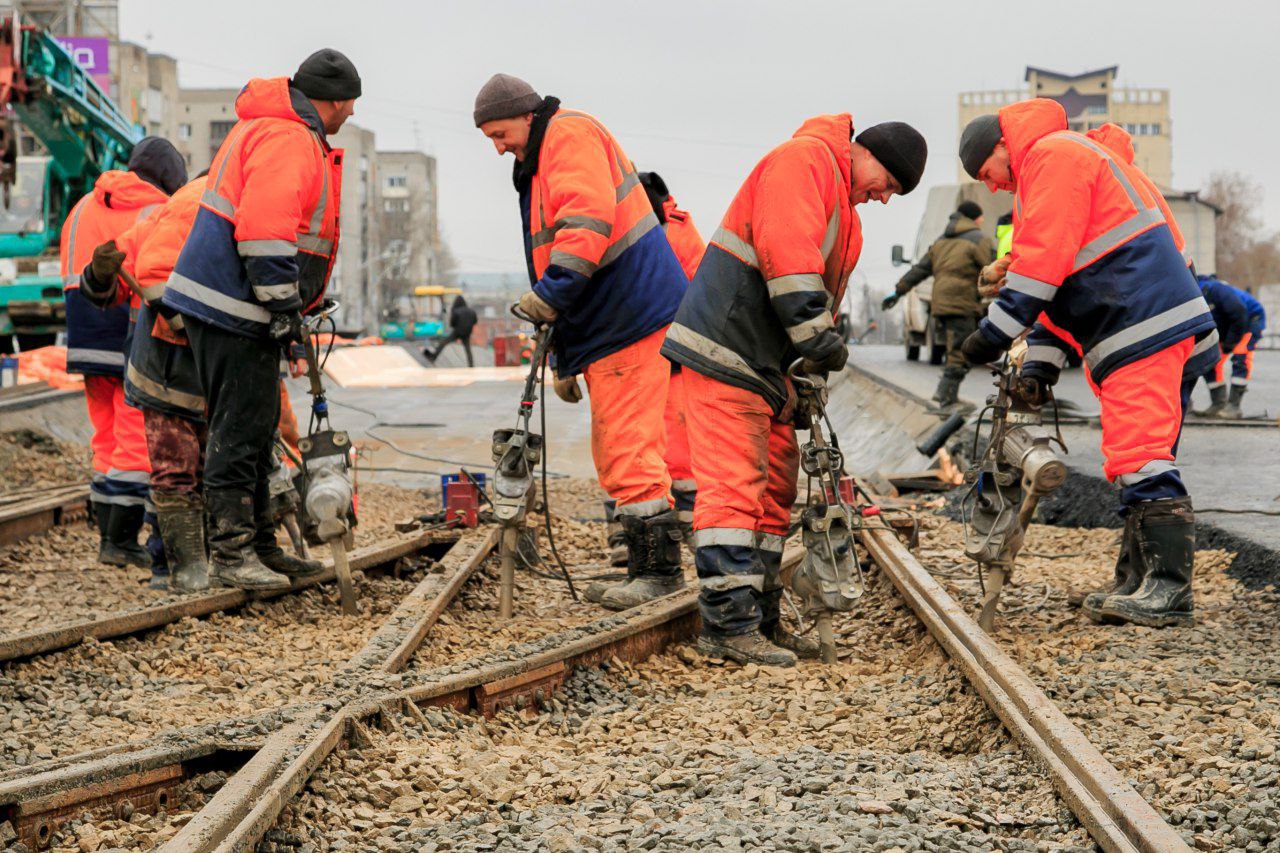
(977, 141)
(505, 96)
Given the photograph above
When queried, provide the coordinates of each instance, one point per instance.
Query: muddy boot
(1217, 401)
(1231, 411)
(268, 549)
(771, 611)
(1128, 573)
(122, 548)
(1166, 538)
(685, 498)
(102, 518)
(617, 542)
(948, 393)
(181, 518)
(653, 560)
(234, 562)
(745, 648)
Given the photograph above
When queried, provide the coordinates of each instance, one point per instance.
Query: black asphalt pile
(1189, 715)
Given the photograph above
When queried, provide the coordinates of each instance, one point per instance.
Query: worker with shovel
(605, 276)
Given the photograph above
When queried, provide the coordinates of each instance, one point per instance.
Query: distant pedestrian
(462, 319)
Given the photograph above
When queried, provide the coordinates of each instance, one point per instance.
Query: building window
(397, 181)
(218, 131)
(1096, 109)
(1155, 130)
(184, 131)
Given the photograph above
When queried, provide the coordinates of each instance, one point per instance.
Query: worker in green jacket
(954, 260)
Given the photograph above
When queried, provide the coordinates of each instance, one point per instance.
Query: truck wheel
(913, 352)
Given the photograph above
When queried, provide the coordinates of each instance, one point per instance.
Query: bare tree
(1248, 255)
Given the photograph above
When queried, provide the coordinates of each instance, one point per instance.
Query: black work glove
(827, 354)
(978, 350)
(889, 301)
(286, 327)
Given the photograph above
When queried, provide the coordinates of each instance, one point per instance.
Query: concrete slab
(1229, 469)
(395, 367)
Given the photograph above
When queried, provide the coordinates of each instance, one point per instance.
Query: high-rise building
(1092, 99)
(410, 231)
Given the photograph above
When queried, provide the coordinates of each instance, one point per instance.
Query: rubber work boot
(1128, 572)
(268, 549)
(614, 536)
(751, 647)
(1217, 401)
(234, 562)
(122, 548)
(948, 393)
(102, 517)
(159, 558)
(1166, 539)
(1231, 411)
(685, 499)
(181, 518)
(771, 611)
(653, 559)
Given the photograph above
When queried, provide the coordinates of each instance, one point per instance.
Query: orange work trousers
(1142, 410)
(678, 464)
(1242, 364)
(745, 461)
(122, 467)
(628, 397)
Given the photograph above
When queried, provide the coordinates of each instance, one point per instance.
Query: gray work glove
(286, 327)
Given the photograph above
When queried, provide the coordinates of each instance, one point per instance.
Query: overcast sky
(698, 90)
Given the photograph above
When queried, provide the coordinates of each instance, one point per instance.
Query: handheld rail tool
(516, 452)
(1017, 468)
(326, 464)
(829, 579)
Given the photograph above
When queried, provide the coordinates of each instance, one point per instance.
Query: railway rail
(278, 752)
(30, 511)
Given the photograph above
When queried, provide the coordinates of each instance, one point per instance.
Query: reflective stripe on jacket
(1091, 248)
(777, 266)
(684, 238)
(266, 233)
(96, 338)
(595, 250)
(161, 371)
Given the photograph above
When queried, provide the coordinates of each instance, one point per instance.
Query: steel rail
(242, 811)
(36, 799)
(44, 640)
(26, 514)
(1116, 816)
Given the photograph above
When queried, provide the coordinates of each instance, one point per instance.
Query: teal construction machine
(83, 134)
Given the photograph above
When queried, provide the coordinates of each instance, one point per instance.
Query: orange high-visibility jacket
(266, 233)
(1118, 140)
(595, 249)
(95, 338)
(773, 275)
(1091, 248)
(684, 238)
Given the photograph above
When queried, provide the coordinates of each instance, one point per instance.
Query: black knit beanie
(900, 149)
(656, 189)
(969, 209)
(156, 161)
(978, 139)
(327, 75)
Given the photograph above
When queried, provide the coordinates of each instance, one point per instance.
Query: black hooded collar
(525, 169)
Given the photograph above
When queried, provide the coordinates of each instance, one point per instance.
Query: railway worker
(256, 259)
(689, 247)
(954, 260)
(1095, 257)
(1241, 320)
(96, 345)
(606, 277)
(765, 295)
